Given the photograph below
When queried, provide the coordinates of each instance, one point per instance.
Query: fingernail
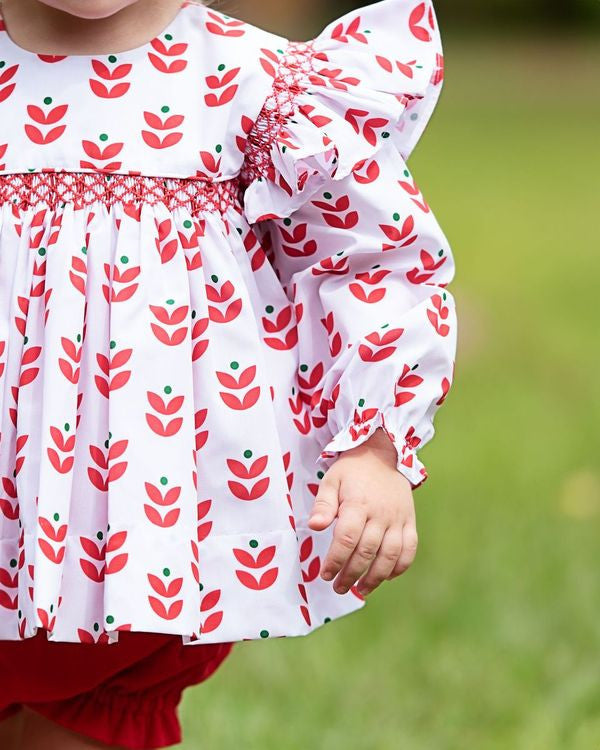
(327, 575)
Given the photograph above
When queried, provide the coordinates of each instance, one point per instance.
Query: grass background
(492, 639)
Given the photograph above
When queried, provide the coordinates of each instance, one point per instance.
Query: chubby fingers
(410, 541)
(325, 506)
(363, 555)
(346, 534)
(384, 562)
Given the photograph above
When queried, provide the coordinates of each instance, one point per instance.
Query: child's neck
(39, 28)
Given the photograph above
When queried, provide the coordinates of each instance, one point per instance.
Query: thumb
(326, 505)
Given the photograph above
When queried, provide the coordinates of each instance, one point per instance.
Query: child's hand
(376, 526)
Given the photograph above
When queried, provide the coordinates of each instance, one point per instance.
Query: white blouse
(216, 273)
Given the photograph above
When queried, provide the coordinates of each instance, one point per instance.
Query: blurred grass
(492, 640)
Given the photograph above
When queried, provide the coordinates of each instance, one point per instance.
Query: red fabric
(123, 694)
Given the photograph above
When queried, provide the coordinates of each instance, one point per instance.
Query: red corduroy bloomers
(124, 694)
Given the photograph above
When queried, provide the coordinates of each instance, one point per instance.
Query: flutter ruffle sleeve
(348, 231)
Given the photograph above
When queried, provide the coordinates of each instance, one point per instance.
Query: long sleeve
(352, 239)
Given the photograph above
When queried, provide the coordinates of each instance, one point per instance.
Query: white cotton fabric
(174, 379)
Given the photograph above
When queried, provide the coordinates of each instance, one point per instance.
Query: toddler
(224, 333)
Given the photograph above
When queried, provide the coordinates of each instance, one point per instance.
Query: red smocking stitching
(54, 189)
(295, 64)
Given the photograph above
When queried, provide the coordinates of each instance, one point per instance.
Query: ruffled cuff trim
(360, 428)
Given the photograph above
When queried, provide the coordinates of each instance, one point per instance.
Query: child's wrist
(378, 444)
(381, 442)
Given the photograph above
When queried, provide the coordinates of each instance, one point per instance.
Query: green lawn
(492, 640)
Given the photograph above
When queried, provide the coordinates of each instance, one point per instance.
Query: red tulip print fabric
(216, 273)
